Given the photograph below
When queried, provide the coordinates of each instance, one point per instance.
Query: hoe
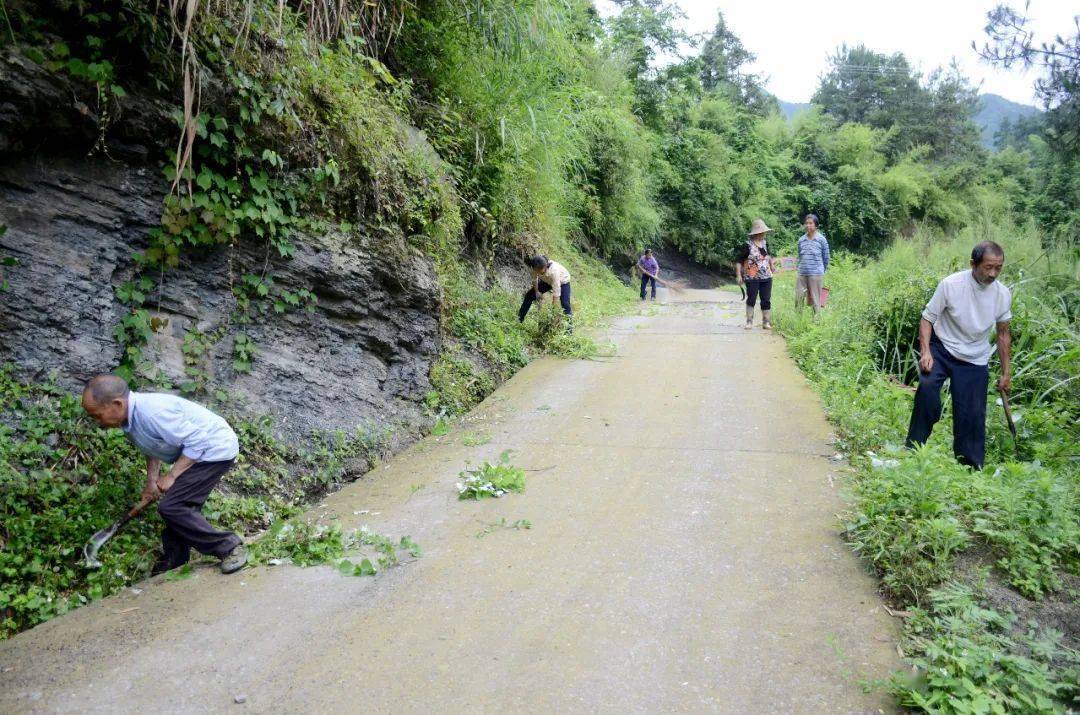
(90, 551)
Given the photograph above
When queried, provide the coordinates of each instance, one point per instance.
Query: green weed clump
(971, 659)
(914, 513)
(62, 479)
(305, 544)
(491, 480)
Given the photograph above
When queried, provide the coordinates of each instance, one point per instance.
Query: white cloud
(793, 40)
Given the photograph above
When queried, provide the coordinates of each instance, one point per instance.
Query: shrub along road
(683, 555)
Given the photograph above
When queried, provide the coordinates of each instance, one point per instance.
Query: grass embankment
(978, 558)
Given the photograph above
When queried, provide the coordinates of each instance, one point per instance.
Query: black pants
(645, 280)
(185, 525)
(755, 286)
(530, 298)
(968, 386)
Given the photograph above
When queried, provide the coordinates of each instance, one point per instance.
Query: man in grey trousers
(200, 446)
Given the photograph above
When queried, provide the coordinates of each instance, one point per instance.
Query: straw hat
(758, 226)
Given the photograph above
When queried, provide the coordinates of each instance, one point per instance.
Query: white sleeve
(937, 304)
(1006, 314)
(553, 279)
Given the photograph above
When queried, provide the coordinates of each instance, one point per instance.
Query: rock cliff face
(360, 360)
(74, 223)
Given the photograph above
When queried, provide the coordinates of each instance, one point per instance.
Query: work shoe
(234, 560)
(766, 320)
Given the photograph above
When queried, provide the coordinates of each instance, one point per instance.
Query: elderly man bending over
(198, 444)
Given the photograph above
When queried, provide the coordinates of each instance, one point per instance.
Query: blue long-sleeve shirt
(165, 426)
(813, 255)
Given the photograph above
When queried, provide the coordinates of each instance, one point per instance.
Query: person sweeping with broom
(650, 271)
(200, 446)
(754, 268)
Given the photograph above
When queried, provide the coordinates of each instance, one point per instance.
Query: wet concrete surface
(684, 556)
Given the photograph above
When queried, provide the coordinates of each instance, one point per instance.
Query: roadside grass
(914, 514)
(304, 544)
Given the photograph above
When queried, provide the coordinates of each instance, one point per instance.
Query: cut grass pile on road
(987, 562)
(491, 481)
(305, 544)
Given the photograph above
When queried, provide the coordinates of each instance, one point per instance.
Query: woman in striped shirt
(813, 262)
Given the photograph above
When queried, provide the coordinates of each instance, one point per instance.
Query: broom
(676, 286)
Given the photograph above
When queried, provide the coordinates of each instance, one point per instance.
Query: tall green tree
(885, 92)
(1055, 151)
(721, 66)
(1012, 43)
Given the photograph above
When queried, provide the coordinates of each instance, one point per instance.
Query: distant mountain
(790, 109)
(992, 109)
(990, 112)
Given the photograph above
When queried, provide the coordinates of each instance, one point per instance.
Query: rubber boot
(749, 317)
(766, 319)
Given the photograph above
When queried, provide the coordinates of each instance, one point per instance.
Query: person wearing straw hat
(754, 268)
(813, 262)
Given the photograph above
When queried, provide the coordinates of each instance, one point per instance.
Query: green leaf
(184, 572)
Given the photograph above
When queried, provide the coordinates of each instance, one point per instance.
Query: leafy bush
(910, 520)
(61, 480)
(457, 384)
(1033, 521)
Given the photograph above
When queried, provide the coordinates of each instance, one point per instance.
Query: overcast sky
(793, 40)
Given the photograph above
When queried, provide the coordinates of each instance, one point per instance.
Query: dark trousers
(968, 384)
(530, 298)
(753, 287)
(185, 525)
(645, 280)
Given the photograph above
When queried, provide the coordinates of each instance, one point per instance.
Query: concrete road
(683, 557)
